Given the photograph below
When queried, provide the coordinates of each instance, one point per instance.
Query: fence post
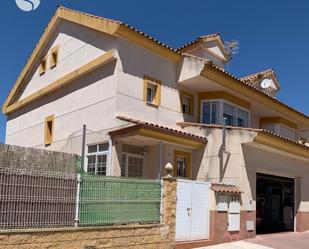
(77, 200)
(83, 147)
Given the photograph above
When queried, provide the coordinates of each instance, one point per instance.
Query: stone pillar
(169, 204)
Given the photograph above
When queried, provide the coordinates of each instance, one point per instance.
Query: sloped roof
(162, 128)
(202, 39)
(210, 64)
(225, 188)
(262, 74)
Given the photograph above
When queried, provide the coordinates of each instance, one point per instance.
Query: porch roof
(159, 132)
(225, 188)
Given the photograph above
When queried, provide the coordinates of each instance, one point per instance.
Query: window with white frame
(279, 129)
(132, 161)
(97, 158)
(213, 112)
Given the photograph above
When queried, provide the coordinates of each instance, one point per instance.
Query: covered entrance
(274, 204)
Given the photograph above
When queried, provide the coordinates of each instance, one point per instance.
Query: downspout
(224, 135)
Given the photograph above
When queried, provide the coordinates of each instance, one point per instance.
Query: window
(152, 91)
(97, 158)
(54, 57)
(211, 112)
(214, 111)
(43, 65)
(182, 162)
(229, 112)
(49, 130)
(279, 129)
(132, 161)
(187, 103)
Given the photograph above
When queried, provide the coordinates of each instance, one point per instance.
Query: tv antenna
(232, 47)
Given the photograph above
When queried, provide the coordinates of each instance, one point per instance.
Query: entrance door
(274, 204)
(192, 213)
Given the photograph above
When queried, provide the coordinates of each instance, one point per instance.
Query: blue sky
(272, 34)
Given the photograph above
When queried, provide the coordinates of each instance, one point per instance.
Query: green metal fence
(112, 200)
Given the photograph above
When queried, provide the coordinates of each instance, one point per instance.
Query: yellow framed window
(54, 57)
(43, 65)
(49, 129)
(187, 103)
(182, 164)
(152, 91)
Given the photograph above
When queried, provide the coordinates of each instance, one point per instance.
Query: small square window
(43, 65)
(187, 103)
(49, 130)
(54, 57)
(152, 91)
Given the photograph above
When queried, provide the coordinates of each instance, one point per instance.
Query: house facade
(150, 105)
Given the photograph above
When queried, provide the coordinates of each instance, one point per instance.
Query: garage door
(192, 213)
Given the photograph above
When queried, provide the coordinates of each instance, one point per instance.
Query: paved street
(270, 241)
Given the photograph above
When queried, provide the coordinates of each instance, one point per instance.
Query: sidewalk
(237, 245)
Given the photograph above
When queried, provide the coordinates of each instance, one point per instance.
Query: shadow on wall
(262, 161)
(80, 83)
(91, 38)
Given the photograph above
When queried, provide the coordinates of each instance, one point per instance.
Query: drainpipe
(224, 135)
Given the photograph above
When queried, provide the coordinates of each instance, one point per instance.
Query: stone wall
(134, 236)
(36, 159)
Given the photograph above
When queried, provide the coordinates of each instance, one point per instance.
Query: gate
(192, 211)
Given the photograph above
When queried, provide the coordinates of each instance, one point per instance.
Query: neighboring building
(151, 105)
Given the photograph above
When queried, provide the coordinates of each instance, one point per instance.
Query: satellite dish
(266, 83)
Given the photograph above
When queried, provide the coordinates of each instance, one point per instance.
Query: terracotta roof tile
(225, 188)
(165, 128)
(187, 124)
(198, 40)
(252, 77)
(211, 64)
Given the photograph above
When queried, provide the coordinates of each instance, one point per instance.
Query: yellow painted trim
(275, 120)
(110, 27)
(49, 134)
(83, 70)
(52, 62)
(225, 96)
(179, 153)
(231, 83)
(169, 138)
(147, 43)
(281, 144)
(191, 96)
(200, 41)
(157, 83)
(43, 65)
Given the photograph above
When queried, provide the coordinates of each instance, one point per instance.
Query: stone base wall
(302, 221)
(219, 227)
(126, 236)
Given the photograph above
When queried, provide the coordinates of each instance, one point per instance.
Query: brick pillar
(169, 206)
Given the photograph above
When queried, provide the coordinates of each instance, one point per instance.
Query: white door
(192, 213)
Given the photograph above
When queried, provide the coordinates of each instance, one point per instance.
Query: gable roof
(268, 73)
(105, 25)
(251, 91)
(201, 40)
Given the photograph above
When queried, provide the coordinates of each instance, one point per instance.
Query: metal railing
(36, 199)
(39, 199)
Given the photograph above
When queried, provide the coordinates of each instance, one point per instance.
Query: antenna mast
(232, 47)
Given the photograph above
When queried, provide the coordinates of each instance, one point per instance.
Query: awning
(224, 188)
(162, 133)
